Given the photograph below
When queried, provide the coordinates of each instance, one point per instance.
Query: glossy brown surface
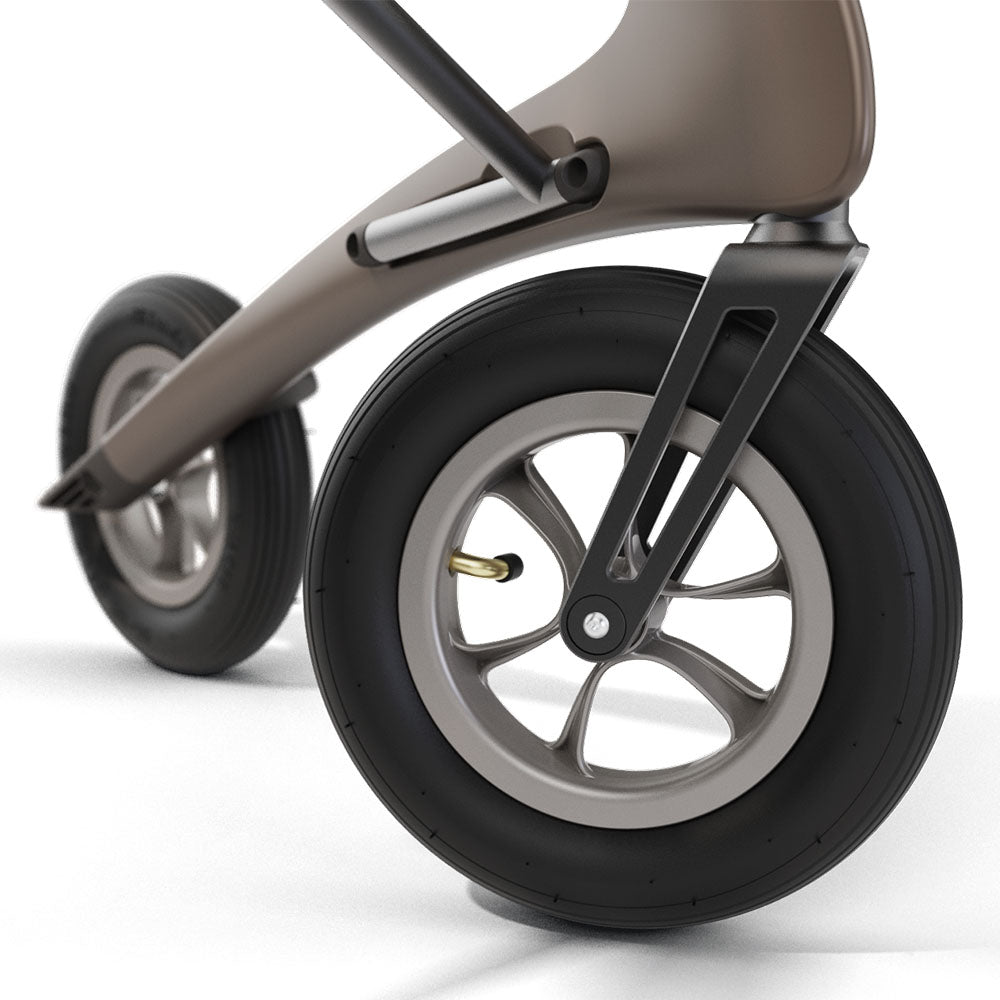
(711, 112)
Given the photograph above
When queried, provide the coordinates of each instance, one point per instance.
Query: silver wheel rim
(553, 777)
(167, 545)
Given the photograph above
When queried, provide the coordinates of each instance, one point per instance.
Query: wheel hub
(168, 543)
(451, 674)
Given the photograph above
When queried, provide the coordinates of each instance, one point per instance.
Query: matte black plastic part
(426, 67)
(90, 483)
(515, 566)
(799, 286)
(581, 177)
(830, 227)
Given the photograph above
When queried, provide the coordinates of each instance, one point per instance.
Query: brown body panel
(711, 112)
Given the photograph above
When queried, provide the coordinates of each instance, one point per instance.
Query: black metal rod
(426, 67)
(793, 285)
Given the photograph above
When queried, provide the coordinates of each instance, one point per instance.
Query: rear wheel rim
(167, 545)
(554, 777)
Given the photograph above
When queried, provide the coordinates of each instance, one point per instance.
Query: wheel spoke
(137, 523)
(570, 741)
(738, 699)
(634, 552)
(489, 655)
(191, 489)
(177, 540)
(769, 582)
(530, 495)
(635, 549)
(637, 544)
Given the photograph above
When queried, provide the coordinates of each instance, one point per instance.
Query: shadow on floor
(925, 882)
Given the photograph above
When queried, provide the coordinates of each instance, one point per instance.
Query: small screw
(596, 625)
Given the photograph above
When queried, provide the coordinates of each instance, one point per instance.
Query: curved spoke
(769, 582)
(489, 655)
(191, 489)
(570, 741)
(205, 459)
(177, 541)
(137, 523)
(524, 489)
(738, 699)
(634, 550)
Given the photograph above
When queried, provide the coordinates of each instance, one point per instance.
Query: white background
(160, 833)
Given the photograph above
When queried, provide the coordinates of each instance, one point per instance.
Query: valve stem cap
(515, 566)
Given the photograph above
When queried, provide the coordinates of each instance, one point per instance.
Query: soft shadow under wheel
(200, 571)
(810, 759)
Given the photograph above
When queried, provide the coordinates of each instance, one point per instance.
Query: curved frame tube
(710, 113)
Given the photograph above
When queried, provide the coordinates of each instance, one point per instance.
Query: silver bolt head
(596, 625)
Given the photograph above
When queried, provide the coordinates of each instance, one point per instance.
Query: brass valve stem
(485, 569)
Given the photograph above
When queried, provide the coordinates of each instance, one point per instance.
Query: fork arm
(795, 286)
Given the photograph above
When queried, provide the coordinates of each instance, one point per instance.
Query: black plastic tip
(582, 176)
(515, 566)
(357, 250)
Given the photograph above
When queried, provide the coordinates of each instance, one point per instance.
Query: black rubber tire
(860, 475)
(266, 465)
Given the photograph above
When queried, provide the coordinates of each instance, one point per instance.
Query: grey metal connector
(579, 178)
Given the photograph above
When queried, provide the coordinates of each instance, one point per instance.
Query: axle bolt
(596, 625)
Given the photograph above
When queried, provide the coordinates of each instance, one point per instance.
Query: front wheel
(775, 710)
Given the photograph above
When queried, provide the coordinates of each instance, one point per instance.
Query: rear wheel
(806, 747)
(200, 571)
